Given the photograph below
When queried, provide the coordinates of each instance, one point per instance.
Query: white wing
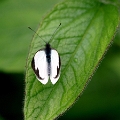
(55, 66)
(39, 65)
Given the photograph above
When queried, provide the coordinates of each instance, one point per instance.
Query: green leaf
(85, 34)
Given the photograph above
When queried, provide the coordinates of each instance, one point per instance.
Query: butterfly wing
(39, 66)
(55, 66)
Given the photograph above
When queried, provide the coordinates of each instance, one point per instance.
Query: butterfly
(46, 63)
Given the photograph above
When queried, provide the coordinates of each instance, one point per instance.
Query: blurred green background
(101, 98)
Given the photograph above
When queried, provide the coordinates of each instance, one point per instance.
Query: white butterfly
(46, 63)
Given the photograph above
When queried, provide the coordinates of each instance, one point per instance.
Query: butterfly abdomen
(48, 57)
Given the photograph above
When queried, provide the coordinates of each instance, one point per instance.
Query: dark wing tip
(58, 69)
(36, 71)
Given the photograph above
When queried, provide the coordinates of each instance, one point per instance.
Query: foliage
(86, 33)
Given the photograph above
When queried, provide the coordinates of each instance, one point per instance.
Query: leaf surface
(85, 34)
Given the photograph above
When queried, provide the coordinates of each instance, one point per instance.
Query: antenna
(41, 37)
(55, 31)
(36, 33)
